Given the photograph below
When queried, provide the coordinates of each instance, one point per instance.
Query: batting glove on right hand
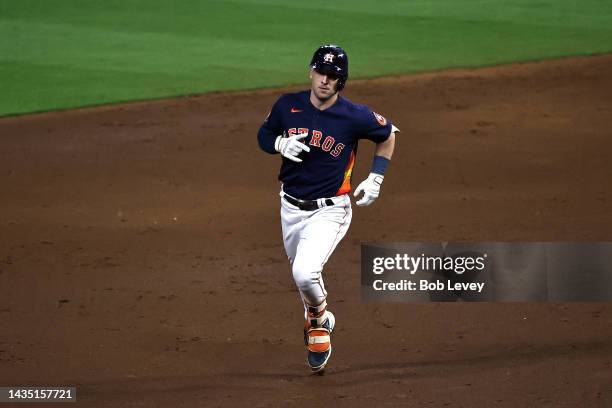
(290, 147)
(370, 188)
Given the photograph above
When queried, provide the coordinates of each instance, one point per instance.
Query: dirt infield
(141, 257)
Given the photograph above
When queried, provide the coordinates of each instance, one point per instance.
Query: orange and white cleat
(317, 336)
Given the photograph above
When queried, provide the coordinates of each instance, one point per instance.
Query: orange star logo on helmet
(380, 118)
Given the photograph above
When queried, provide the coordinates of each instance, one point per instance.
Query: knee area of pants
(304, 276)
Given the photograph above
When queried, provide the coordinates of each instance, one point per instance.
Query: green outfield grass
(66, 53)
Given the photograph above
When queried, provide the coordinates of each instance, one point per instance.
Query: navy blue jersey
(333, 136)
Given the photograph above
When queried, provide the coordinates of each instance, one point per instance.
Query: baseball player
(317, 132)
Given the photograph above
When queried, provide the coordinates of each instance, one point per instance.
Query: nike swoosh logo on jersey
(294, 110)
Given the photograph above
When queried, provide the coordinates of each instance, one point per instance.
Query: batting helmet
(330, 59)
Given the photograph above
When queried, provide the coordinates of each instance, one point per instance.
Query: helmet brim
(327, 69)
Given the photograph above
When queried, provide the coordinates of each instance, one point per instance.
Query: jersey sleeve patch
(380, 118)
(372, 125)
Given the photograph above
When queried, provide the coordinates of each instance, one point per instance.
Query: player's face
(323, 85)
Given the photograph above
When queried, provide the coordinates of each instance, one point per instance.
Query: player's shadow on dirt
(449, 366)
(526, 352)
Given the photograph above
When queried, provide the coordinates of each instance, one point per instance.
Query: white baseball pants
(310, 237)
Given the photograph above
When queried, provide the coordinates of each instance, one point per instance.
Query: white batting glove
(290, 147)
(370, 188)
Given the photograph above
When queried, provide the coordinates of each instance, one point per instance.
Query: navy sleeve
(373, 126)
(271, 128)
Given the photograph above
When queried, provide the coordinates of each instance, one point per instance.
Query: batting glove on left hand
(370, 188)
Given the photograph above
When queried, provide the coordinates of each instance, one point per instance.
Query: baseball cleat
(318, 343)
